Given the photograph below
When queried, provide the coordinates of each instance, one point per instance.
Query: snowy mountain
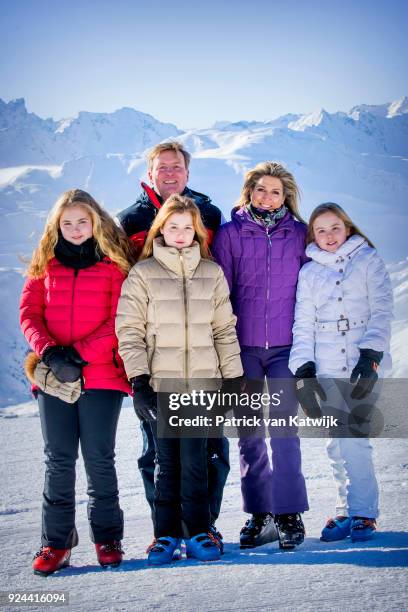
(358, 159)
(398, 107)
(27, 139)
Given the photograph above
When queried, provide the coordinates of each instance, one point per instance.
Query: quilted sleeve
(224, 333)
(378, 332)
(222, 253)
(131, 321)
(32, 322)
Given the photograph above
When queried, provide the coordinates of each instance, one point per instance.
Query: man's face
(168, 173)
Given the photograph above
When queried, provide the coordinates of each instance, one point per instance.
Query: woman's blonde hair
(341, 214)
(111, 240)
(177, 204)
(276, 170)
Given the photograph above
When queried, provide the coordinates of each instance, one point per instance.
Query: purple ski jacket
(262, 267)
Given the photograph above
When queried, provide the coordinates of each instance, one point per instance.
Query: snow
(399, 338)
(316, 576)
(10, 175)
(306, 121)
(397, 107)
(64, 124)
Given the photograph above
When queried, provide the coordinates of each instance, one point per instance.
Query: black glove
(306, 389)
(59, 362)
(75, 357)
(233, 385)
(366, 369)
(144, 398)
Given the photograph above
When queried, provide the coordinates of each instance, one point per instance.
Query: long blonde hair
(341, 214)
(276, 170)
(177, 204)
(111, 240)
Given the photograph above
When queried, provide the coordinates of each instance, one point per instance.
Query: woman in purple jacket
(261, 252)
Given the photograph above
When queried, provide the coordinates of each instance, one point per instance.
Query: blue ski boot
(362, 528)
(336, 528)
(203, 547)
(163, 550)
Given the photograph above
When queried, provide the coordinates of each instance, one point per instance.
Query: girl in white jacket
(341, 334)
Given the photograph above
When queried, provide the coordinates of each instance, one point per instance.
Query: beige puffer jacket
(174, 318)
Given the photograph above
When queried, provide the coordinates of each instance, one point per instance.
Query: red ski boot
(48, 560)
(109, 553)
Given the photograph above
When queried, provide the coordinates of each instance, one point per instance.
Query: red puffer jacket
(77, 308)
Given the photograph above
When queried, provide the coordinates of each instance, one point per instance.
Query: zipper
(185, 301)
(72, 303)
(268, 267)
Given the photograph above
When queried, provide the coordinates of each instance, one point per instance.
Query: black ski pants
(217, 462)
(181, 500)
(91, 421)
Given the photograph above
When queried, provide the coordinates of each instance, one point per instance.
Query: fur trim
(30, 363)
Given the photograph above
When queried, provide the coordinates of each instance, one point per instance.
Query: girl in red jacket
(67, 315)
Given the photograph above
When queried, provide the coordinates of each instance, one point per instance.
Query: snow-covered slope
(399, 342)
(358, 159)
(317, 576)
(13, 383)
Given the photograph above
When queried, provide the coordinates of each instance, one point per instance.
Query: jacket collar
(157, 200)
(347, 250)
(248, 225)
(152, 196)
(180, 261)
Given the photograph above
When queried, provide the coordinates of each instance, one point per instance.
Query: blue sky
(194, 63)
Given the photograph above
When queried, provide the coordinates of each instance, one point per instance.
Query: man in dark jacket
(168, 165)
(168, 171)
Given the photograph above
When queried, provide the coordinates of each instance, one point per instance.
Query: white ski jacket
(343, 304)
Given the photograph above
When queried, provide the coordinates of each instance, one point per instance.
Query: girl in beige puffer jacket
(175, 325)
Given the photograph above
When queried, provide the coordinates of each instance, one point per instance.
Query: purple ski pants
(278, 488)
